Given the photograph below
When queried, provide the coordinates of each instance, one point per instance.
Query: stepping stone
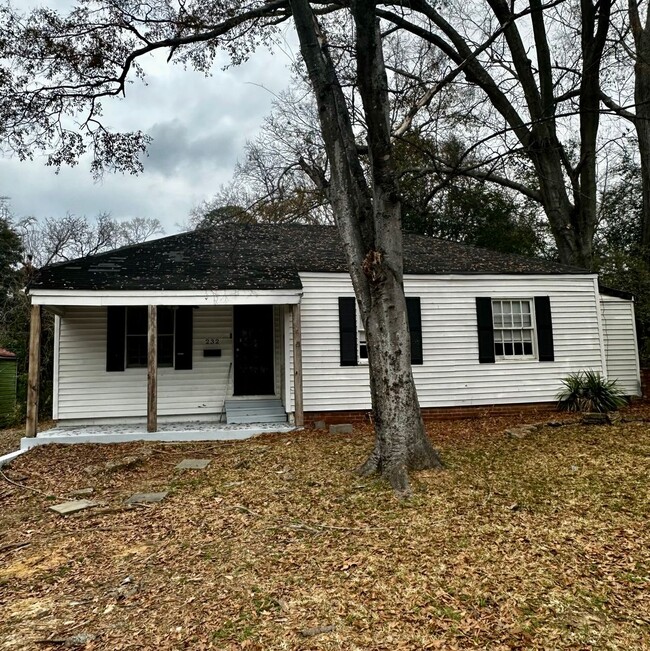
(65, 508)
(116, 464)
(193, 464)
(139, 498)
(81, 492)
(342, 428)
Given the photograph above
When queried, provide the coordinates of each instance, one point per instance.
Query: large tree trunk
(369, 221)
(641, 33)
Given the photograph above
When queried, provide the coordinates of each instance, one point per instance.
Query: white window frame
(498, 329)
(361, 338)
(128, 365)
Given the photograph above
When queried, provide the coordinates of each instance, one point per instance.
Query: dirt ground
(534, 543)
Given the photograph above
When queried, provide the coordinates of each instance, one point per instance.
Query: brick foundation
(358, 417)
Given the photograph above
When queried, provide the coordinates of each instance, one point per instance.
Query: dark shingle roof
(262, 256)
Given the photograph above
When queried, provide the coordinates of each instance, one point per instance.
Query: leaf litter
(536, 543)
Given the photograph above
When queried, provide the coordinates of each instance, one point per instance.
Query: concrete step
(257, 410)
(243, 420)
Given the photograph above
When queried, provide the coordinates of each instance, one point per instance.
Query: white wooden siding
(87, 391)
(619, 335)
(451, 374)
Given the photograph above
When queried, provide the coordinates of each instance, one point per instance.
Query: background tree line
(27, 244)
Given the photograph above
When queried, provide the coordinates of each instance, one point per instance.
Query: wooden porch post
(297, 365)
(34, 371)
(152, 370)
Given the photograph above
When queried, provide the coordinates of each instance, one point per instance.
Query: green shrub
(588, 391)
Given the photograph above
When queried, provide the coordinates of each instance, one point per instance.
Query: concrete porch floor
(174, 431)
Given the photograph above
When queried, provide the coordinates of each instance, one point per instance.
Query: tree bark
(369, 221)
(641, 34)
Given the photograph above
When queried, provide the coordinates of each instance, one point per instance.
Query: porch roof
(263, 257)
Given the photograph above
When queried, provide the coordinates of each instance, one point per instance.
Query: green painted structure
(7, 385)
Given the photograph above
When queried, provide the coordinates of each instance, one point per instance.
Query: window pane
(136, 350)
(136, 320)
(165, 350)
(363, 351)
(165, 321)
(513, 328)
(496, 314)
(507, 314)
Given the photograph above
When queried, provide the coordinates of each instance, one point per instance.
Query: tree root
(420, 456)
(372, 465)
(398, 478)
(424, 457)
(369, 467)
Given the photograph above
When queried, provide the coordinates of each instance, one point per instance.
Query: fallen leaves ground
(10, 438)
(539, 543)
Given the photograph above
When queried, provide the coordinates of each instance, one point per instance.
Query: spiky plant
(589, 391)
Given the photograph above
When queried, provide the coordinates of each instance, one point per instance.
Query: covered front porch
(173, 431)
(184, 364)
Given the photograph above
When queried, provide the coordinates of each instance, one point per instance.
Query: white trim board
(8, 458)
(101, 298)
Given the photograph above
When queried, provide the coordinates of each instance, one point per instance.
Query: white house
(259, 323)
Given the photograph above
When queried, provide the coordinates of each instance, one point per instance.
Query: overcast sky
(199, 127)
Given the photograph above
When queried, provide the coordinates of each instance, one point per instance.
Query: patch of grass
(238, 630)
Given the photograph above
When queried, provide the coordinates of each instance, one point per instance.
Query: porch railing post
(34, 371)
(297, 365)
(152, 370)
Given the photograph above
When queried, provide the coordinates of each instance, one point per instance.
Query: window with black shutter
(353, 346)
(126, 341)
(510, 329)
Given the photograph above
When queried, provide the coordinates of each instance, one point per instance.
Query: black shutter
(415, 328)
(183, 338)
(348, 331)
(544, 325)
(115, 338)
(485, 330)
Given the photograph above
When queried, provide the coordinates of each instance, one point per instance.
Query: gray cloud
(178, 147)
(199, 127)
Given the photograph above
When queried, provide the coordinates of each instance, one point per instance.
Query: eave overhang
(90, 298)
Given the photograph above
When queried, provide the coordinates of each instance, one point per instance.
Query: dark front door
(253, 342)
